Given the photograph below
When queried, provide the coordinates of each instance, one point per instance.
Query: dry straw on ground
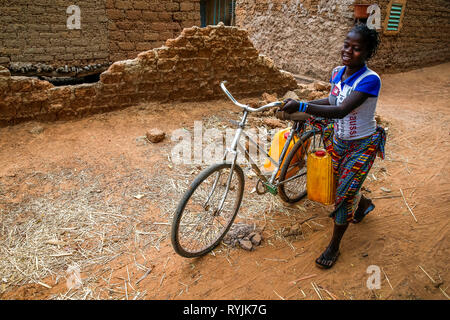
(88, 219)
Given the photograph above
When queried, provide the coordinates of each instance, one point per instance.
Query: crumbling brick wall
(305, 36)
(187, 68)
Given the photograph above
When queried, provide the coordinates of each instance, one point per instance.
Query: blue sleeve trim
(370, 84)
(333, 74)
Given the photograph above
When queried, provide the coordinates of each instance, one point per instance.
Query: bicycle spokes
(209, 211)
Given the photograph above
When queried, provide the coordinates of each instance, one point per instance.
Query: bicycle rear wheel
(199, 224)
(292, 179)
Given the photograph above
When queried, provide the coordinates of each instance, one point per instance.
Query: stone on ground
(246, 244)
(155, 135)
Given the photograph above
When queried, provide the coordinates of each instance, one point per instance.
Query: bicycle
(209, 206)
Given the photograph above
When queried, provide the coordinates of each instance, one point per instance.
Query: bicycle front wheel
(207, 210)
(292, 180)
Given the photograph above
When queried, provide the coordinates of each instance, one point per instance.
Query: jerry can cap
(320, 153)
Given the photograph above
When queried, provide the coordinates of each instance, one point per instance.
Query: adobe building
(82, 37)
(305, 36)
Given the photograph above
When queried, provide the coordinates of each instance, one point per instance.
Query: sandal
(358, 218)
(323, 258)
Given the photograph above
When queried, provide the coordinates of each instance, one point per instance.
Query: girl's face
(354, 51)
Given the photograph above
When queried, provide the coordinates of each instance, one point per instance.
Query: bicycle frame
(270, 183)
(235, 145)
(270, 180)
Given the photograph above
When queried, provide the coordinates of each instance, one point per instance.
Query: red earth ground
(413, 105)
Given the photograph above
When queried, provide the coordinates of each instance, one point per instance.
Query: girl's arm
(322, 102)
(353, 101)
(322, 108)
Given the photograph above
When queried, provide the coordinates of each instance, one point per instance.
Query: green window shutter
(203, 13)
(214, 11)
(394, 17)
(232, 7)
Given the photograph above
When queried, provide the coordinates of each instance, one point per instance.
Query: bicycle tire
(286, 190)
(204, 225)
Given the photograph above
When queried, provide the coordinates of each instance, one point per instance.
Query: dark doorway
(215, 11)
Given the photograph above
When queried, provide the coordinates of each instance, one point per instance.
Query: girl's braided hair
(370, 36)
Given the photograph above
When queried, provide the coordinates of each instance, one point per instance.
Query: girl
(354, 139)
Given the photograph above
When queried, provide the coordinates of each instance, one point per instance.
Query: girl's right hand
(290, 106)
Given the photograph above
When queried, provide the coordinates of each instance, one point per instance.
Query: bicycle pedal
(272, 189)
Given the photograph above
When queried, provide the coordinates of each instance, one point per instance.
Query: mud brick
(115, 13)
(134, 14)
(86, 91)
(186, 6)
(141, 5)
(122, 4)
(143, 46)
(109, 4)
(127, 46)
(148, 15)
(172, 6)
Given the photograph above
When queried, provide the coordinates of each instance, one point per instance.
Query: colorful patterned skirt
(352, 160)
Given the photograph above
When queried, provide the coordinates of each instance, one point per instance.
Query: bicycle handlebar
(246, 107)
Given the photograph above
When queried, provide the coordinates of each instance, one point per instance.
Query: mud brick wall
(138, 25)
(305, 36)
(36, 32)
(423, 40)
(187, 68)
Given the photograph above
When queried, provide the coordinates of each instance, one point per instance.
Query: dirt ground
(94, 195)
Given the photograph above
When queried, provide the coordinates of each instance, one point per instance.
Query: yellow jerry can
(276, 147)
(320, 180)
